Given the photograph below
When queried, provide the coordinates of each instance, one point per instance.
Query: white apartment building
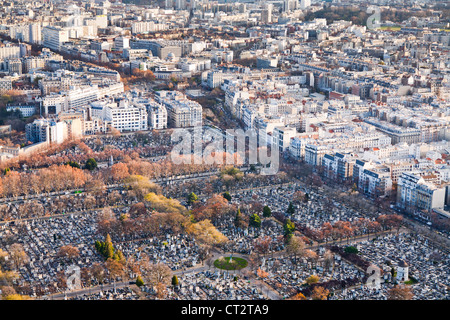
(41, 130)
(376, 181)
(9, 52)
(314, 153)
(181, 111)
(34, 63)
(297, 147)
(54, 103)
(147, 26)
(81, 96)
(338, 166)
(35, 33)
(415, 193)
(54, 37)
(126, 117)
(282, 137)
(121, 43)
(157, 116)
(25, 110)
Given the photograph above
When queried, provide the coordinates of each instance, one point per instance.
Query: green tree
(267, 212)
(175, 281)
(227, 196)
(351, 249)
(238, 220)
(99, 246)
(192, 197)
(288, 228)
(255, 221)
(139, 281)
(73, 164)
(306, 197)
(118, 256)
(393, 272)
(290, 209)
(91, 164)
(106, 248)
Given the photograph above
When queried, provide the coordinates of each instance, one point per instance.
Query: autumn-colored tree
(373, 226)
(3, 257)
(17, 297)
(296, 247)
(261, 273)
(98, 272)
(343, 229)
(311, 256)
(68, 252)
(312, 279)
(157, 273)
(262, 244)
(160, 203)
(140, 185)
(319, 293)
(239, 220)
(161, 290)
(328, 259)
(7, 291)
(115, 132)
(12, 183)
(299, 296)
(8, 276)
(204, 232)
(18, 255)
(213, 209)
(137, 210)
(254, 261)
(61, 280)
(119, 171)
(97, 188)
(115, 269)
(400, 292)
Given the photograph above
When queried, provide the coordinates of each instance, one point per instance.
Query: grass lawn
(392, 28)
(236, 263)
(411, 280)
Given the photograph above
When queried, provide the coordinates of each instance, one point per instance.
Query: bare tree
(18, 255)
(400, 292)
(68, 252)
